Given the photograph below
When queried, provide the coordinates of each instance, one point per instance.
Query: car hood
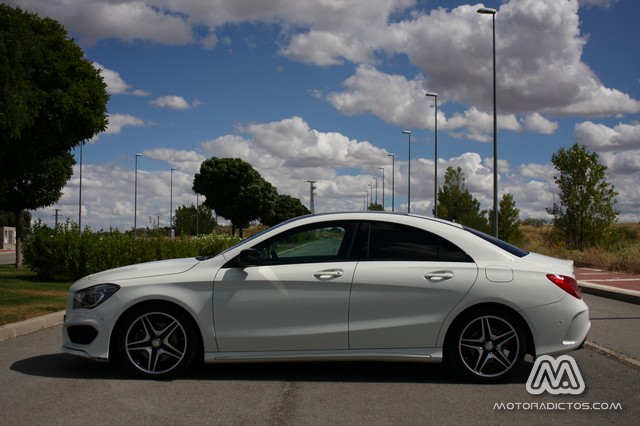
(144, 270)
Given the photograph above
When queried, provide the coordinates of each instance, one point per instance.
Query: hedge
(65, 252)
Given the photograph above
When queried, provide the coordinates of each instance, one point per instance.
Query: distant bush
(66, 252)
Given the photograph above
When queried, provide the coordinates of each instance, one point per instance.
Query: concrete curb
(10, 331)
(621, 294)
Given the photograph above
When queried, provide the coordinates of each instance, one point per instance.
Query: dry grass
(622, 256)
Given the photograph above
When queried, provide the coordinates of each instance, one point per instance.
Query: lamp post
(393, 181)
(382, 168)
(492, 12)
(365, 198)
(408, 132)
(135, 200)
(370, 195)
(312, 190)
(435, 158)
(376, 179)
(80, 192)
(171, 206)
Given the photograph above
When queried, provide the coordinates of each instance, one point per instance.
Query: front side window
(322, 242)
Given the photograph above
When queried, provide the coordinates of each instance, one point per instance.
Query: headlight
(94, 296)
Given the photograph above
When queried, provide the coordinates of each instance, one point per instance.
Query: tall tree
(52, 99)
(286, 207)
(508, 220)
(194, 220)
(235, 190)
(585, 211)
(456, 203)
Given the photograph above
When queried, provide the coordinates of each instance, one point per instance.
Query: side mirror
(249, 257)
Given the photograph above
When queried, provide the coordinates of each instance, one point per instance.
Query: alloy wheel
(489, 346)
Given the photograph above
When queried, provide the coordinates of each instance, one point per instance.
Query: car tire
(156, 341)
(486, 345)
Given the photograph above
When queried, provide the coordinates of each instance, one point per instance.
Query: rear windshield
(499, 243)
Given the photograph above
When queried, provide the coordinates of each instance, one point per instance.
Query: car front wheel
(157, 341)
(487, 346)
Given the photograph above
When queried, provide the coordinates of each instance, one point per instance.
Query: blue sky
(322, 91)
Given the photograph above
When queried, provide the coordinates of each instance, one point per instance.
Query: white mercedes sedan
(341, 286)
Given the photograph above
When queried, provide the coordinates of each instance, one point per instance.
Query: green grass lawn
(24, 296)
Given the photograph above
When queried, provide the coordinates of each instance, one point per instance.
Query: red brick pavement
(610, 279)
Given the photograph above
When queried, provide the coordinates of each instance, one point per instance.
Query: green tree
(376, 207)
(508, 220)
(286, 207)
(52, 99)
(194, 220)
(235, 190)
(456, 203)
(584, 212)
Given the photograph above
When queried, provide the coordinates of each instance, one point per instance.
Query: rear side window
(390, 241)
(516, 251)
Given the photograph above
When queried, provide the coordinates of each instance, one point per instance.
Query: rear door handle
(329, 274)
(439, 276)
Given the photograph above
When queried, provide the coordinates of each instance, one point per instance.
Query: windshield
(516, 251)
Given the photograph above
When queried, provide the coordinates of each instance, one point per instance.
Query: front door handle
(439, 276)
(329, 274)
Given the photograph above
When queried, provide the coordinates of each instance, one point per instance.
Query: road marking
(620, 357)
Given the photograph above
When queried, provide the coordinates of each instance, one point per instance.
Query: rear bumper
(559, 327)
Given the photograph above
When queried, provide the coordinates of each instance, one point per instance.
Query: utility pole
(56, 216)
(312, 189)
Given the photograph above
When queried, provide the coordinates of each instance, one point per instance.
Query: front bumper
(87, 333)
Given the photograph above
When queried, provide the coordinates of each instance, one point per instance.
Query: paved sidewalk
(613, 285)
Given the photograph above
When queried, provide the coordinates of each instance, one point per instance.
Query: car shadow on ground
(66, 366)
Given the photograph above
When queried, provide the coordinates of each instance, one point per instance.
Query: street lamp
(371, 194)
(171, 206)
(80, 192)
(376, 179)
(393, 181)
(365, 198)
(135, 200)
(435, 158)
(382, 168)
(408, 132)
(492, 12)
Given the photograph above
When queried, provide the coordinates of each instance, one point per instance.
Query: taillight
(568, 284)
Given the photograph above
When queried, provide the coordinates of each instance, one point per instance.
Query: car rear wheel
(157, 341)
(487, 346)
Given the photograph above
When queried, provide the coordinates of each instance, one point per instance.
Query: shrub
(66, 252)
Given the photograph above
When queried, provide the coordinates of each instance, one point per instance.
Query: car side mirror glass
(249, 257)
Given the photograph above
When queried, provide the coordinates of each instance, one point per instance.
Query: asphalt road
(40, 385)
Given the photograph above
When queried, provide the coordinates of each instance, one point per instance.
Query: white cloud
(539, 44)
(115, 84)
(602, 138)
(537, 123)
(174, 102)
(390, 97)
(127, 20)
(118, 121)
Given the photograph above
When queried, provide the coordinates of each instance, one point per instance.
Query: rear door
(404, 287)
